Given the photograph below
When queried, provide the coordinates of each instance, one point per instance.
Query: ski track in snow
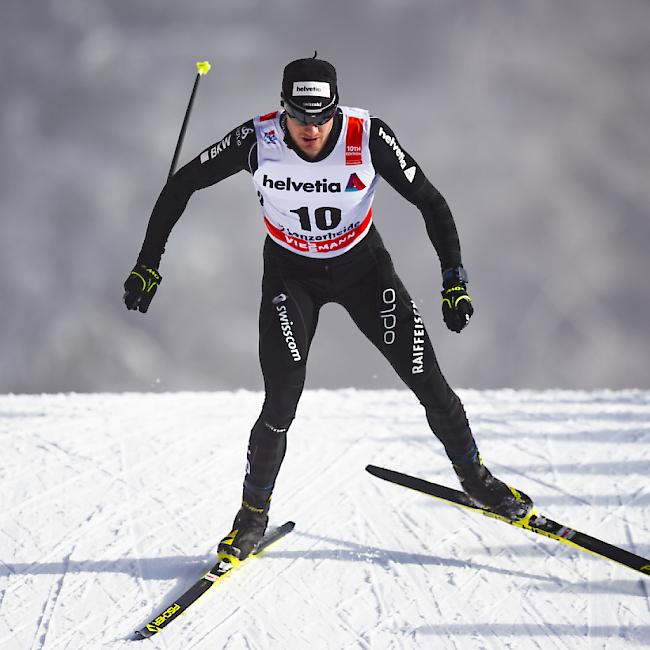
(112, 505)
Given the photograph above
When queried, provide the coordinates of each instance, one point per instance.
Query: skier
(315, 166)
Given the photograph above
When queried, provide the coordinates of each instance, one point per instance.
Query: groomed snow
(112, 506)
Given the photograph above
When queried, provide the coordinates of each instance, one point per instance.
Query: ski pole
(202, 68)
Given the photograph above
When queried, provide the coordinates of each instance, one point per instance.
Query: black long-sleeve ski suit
(295, 287)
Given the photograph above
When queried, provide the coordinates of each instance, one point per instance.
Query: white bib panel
(316, 209)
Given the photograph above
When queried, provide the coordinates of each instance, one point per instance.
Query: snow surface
(112, 506)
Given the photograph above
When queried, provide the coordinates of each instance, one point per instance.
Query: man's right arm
(231, 154)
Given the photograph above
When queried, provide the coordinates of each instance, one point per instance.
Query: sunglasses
(305, 118)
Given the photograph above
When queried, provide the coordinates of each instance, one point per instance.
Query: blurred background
(532, 119)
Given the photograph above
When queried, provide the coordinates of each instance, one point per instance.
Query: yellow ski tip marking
(203, 67)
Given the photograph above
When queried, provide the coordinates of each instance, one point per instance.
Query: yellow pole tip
(203, 67)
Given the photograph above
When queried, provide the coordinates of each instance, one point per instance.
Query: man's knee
(280, 405)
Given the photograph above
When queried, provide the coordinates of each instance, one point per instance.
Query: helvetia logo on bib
(354, 184)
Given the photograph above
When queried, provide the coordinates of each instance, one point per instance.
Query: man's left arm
(393, 163)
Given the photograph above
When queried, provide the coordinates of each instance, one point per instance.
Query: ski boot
(490, 493)
(247, 530)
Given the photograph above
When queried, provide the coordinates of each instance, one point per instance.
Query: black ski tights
(364, 282)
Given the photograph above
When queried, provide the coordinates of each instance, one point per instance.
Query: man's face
(310, 138)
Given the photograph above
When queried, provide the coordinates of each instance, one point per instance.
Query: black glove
(140, 287)
(457, 306)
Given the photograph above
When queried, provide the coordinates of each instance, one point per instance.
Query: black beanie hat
(309, 85)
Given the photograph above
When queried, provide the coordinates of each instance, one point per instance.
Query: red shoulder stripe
(353, 141)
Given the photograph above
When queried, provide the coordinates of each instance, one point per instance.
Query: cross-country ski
(207, 582)
(533, 521)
